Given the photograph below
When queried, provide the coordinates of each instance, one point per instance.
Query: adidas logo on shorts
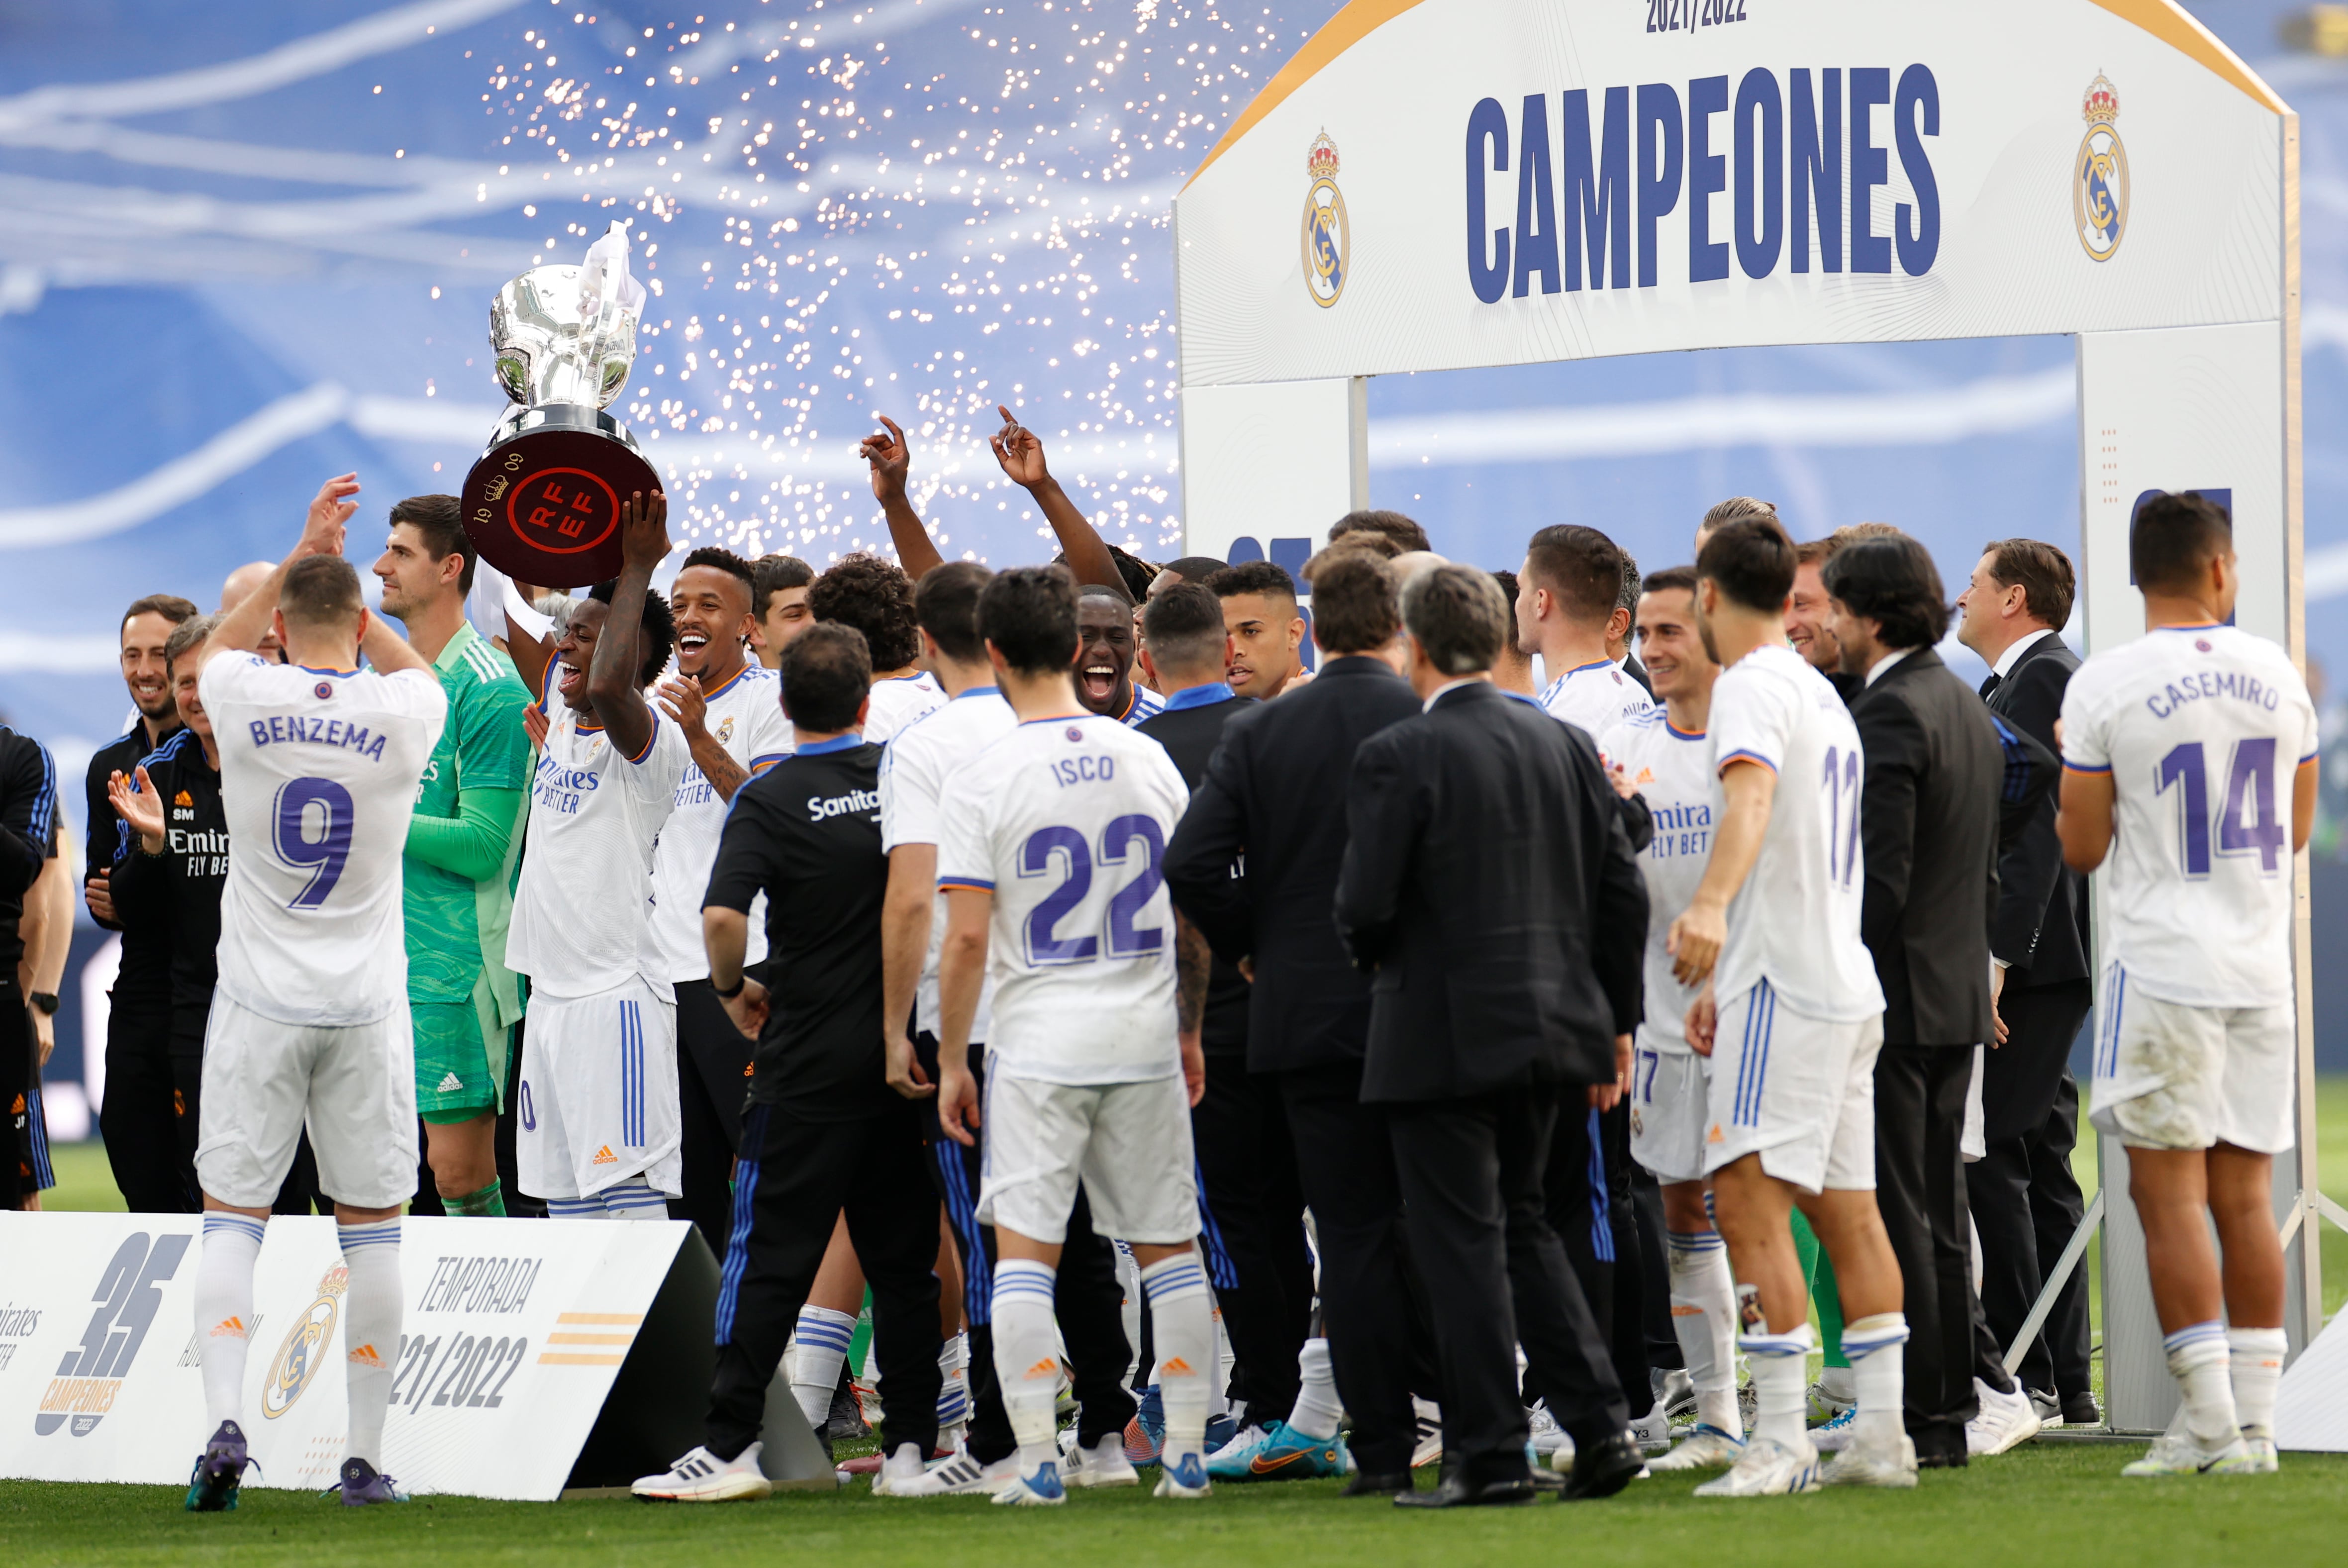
(451, 1084)
(604, 1156)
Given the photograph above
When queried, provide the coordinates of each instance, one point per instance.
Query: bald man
(239, 587)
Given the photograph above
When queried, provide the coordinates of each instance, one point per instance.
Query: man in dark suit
(1490, 886)
(1928, 824)
(1270, 795)
(2027, 1202)
(1252, 1211)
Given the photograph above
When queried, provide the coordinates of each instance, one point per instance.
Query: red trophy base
(543, 503)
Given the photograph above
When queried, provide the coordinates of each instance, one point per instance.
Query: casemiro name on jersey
(2205, 685)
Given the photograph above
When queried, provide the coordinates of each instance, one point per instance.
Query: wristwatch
(46, 1001)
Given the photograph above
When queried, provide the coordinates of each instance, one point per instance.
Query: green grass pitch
(2045, 1503)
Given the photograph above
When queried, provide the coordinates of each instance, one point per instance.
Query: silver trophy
(543, 501)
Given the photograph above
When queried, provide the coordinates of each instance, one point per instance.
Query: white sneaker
(1184, 1477)
(1822, 1407)
(1830, 1438)
(2006, 1420)
(1560, 1457)
(1873, 1460)
(1673, 1392)
(1042, 1489)
(1237, 1449)
(1766, 1467)
(1429, 1448)
(901, 1474)
(702, 1476)
(2261, 1441)
(959, 1476)
(1545, 1435)
(2176, 1454)
(1653, 1431)
(1707, 1447)
(1103, 1464)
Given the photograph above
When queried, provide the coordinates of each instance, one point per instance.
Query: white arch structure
(1436, 184)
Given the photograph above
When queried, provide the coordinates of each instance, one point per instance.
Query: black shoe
(2079, 1410)
(845, 1422)
(1366, 1484)
(1942, 1460)
(1603, 1468)
(1455, 1491)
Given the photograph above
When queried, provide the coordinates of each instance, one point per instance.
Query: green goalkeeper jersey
(457, 927)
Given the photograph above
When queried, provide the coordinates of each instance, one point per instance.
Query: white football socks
(2198, 1359)
(224, 1310)
(1182, 1320)
(634, 1199)
(2257, 1366)
(1781, 1370)
(822, 1337)
(1318, 1409)
(954, 1391)
(1703, 1319)
(371, 1315)
(1878, 1366)
(1026, 1361)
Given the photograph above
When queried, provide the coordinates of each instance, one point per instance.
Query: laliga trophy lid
(542, 503)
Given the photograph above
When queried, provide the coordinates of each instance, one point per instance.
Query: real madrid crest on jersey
(1327, 233)
(2099, 175)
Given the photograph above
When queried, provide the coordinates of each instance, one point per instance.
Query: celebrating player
(462, 844)
(1664, 754)
(599, 1132)
(2196, 1052)
(730, 712)
(1049, 856)
(318, 770)
(1774, 928)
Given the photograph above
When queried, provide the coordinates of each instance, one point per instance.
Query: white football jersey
(583, 910)
(2202, 729)
(1595, 697)
(1671, 768)
(898, 701)
(1796, 921)
(1065, 821)
(916, 771)
(318, 773)
(745, 716)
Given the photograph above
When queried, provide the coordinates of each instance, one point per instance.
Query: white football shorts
(2171, 1075)
(1670, 1109)
(1798, 1091)
(1129, 1143)
(354, 1084)
(598, 1098)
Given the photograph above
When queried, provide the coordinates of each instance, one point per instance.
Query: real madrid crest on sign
(305, 1350)
(2099, 175)
(1326, 230)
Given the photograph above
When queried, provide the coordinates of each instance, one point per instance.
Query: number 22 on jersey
(1063, 852)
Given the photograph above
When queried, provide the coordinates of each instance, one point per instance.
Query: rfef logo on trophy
(2099, 175)
(1327, 233)
(305, 1350)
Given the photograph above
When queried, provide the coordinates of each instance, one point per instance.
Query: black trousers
(18, 1068)
(713, 1075)
(298, 1194)
(1472, 1184)
(1655, 1270)
(1087, 1297)
(797, 1176)
(1373, 1308)
(2026, 1203)
(1920, 1187)
(1252, 1214)
(1591, 1208)
(137, 1120)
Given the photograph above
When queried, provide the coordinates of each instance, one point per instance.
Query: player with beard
(731, 714)
(598, 1093)
(1267, 633)
(463, 842)
(138, 1118)
(778, 596)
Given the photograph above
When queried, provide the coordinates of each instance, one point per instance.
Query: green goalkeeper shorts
(453, 1082)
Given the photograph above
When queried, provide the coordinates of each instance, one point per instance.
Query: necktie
(1990, 685)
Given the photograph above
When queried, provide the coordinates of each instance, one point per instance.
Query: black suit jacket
(1272, 800)
(1190, 735)
(1928, 822)
(2040, 927)
(1490, 882)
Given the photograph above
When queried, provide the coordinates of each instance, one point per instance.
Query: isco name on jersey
(2202, 730)
(1672, 770)
(1064, 822)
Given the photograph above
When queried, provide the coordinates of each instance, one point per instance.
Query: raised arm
(615, 671)
(246, 626)
(890, 458)
(1021, 456)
